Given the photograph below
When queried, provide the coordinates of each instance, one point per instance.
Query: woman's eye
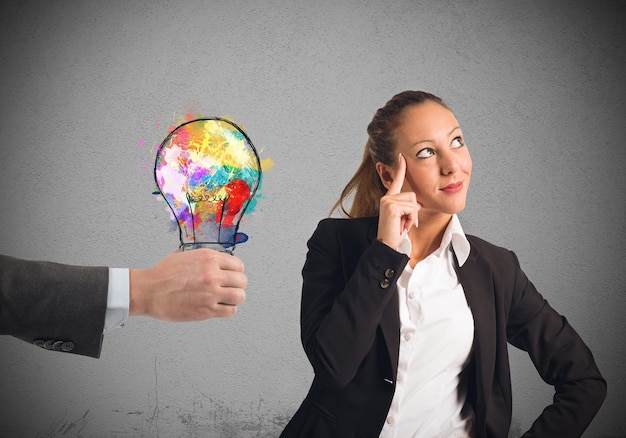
(425, 153)
(457, 142)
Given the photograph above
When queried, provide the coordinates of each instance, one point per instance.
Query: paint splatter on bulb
(208, 171)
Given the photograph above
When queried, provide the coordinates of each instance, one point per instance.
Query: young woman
(406, 319)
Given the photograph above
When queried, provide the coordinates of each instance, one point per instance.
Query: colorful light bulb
(208, 171)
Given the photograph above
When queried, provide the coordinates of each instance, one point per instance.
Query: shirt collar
(454, 236)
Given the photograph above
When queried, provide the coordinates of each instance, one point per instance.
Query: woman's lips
(453, 188)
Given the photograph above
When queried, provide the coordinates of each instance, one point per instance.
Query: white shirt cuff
(117, 298)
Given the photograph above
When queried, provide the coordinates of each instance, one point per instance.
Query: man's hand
(189, 286)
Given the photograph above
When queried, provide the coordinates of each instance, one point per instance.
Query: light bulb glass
(208, 171)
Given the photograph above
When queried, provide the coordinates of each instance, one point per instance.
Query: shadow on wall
(516, 429)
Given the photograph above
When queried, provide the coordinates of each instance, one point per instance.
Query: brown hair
(380, 146)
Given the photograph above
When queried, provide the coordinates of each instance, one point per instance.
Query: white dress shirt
(118, 298)
(436, 338)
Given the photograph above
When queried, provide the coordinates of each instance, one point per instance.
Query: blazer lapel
(475, 276)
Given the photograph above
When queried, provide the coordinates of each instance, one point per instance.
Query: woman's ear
(384, 174)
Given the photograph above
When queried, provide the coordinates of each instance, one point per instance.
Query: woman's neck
(426, 236)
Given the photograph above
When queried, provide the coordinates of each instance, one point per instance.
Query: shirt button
(389, 420)
(408, 336)
(411, 295)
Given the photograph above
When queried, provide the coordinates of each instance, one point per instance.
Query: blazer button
(389, 273)
(67, 346)
(49, 344)
(384, 283)
(57, 345)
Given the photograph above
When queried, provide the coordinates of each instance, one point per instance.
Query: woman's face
(438, 164)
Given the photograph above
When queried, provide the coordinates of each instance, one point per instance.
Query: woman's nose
(449, 164)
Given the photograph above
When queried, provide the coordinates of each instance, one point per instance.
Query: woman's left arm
(561, 358)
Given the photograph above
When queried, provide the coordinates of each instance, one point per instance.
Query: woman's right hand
(398, 210)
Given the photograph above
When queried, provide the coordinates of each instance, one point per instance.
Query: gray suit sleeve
(54, 306)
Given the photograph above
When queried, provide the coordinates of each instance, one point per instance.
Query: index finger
(396, 185)
(229, 262)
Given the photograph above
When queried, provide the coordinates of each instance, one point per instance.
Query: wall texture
(89, 87)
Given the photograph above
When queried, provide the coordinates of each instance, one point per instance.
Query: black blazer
(54, 306)
(350, 331)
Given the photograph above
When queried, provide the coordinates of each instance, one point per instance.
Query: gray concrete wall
(537, 86)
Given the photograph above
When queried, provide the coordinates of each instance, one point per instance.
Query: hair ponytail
(367, 188)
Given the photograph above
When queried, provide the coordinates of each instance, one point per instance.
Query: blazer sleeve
(347, 283)
(561, 358)
(54, 306)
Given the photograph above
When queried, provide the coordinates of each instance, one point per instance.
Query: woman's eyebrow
(431, 141)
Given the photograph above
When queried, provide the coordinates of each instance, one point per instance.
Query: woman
(406, 320)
